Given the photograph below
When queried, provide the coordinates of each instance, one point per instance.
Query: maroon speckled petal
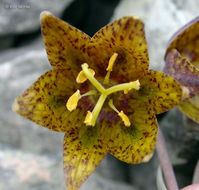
(132, 144)
(127, 38)
(44, 102)
(183, 71)
(82, 152)
(186, 41)
(65, 44)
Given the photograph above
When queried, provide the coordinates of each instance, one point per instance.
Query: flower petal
(132, 144)
(44, 102)
(186, 41)
(127, 38)
(65, 45)
(191, 108)
(83, 151)
(183, 71)
(159, 91)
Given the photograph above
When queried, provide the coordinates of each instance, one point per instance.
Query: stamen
(111, 62)
(73, 100)
(106, 79)
(81, 77)
(88, 118)
(110, 67)
(125, 119)
(89, 93)
(125, 86)
(122, 115)
(110, 103)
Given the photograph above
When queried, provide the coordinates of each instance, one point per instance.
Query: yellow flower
(182, 63)
(100, 93)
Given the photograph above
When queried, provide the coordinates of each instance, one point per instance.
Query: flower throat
(88, 73)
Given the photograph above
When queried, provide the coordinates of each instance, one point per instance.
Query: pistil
(125, 86)
(88, 73)
(91, 117)
(92, 79)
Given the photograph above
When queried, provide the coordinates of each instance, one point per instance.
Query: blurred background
(31, 156)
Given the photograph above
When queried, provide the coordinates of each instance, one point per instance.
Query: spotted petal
(65, 45)
(183, 71)
(159, 91)
(44, 102)
(127, 38)
(83, 151)
(186, 41)
(191, 108)
(132, 144)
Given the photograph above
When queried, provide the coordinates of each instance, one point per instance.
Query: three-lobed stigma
(88, 74)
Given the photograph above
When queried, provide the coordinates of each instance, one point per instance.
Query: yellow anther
(122, 115)
(88, 118)
(111, 62)
(73, 100)
(135, 85)
(81, 77)
(124, 118)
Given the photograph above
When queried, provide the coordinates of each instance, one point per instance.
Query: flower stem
(196, 174)
(165, 163)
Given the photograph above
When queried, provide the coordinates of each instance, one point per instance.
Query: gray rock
(162, 18)
(20, 170)
(10, 54)
(190, 150)
(98, 182)
(113, 169)
(22, 16)
(173, 128)
(18, 74)
(143, 176)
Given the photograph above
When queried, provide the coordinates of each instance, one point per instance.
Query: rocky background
(31, 156)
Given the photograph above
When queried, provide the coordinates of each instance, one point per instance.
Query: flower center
(88, 73)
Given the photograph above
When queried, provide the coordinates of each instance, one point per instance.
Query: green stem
(165, 163)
